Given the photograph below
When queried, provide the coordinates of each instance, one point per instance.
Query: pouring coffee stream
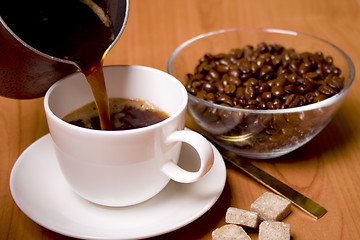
(44, 41)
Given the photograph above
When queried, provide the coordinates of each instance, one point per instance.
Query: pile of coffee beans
(268, 76)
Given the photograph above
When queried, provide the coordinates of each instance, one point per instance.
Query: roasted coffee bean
(210, 97)
(196, 84)
(240, 92)
(245, 66)
(319, 98)
(223, 98)
(251, 82)
(252, 102)
(224, 60)
(292, 78)
(295, 101)
(249, 72)
(234, 73)
(311, 75)
(210, 87)
(270, 105)
(264, 87)
(219, 86)
(188, 77)
(288, 99)
(334, 81)
(237, 52)
(240, 102)
(266, 70)
(249, 92)
(301, 89)
(235, 80)
(222, 68)
(225, 80)
(326, 90)
(262, 105)
(267, 76)
(277, 91)
(277, 103)
(266, 96)
(280, 81)
(214, 74)
(304, 68)
(309, 97)
(201, 94)
(276, 60)
(230, 89)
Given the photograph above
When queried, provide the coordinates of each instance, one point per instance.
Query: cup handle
(202, 147)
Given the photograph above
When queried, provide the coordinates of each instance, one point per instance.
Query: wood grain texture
(326, 169)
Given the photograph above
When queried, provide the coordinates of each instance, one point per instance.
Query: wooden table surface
(327, 169)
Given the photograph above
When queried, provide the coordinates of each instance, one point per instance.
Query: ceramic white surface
(121, 168)
(41, 192)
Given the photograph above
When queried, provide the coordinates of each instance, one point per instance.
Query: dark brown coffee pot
(26, 72)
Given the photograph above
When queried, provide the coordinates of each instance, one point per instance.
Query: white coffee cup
(126, 167)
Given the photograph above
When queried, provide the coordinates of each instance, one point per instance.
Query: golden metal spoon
(307, 205)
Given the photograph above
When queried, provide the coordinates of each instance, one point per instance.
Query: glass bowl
(258, 133)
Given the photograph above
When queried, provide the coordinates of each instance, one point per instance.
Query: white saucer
(42, 193)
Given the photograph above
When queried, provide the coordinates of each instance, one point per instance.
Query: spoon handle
(307, 205)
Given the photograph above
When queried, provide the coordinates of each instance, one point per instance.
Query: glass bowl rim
(324, 103)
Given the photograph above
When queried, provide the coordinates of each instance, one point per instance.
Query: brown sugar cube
(271, 207)
(274, 231)
(242, 217)
(230, 232)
